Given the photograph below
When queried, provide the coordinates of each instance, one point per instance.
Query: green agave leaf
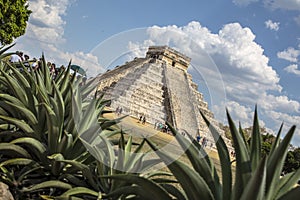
(131, 191)
(243, 164)
(151, 187)
(163, 180)
(127, 150)
(53, 129)
(4, 61)
(4, 126)
(60, 103)
(11, 99)
(87, 89)
(31, 142)
(65, 80)
(86, 172)
(73, 114)
(26, 113)
(79, 191)
(201, 162)
(104, 184)
(3, 112)
(76, 150)
(46, 74)
(135, 163)
(277, 140)
(287, 182)
(42, 92)
(171, 189)
(41, 129)
(191, 182)
(65, 145)
(157, 173)
(255, 145)
(108, 133)
(102, 151)
(243, 137)
(135, 159)
(47, 197)
(148, 164)
(33, 168)
(225, 165)
(88, 119)
(109, 123)
(48, 184)
(19, 123)
(17, 161)
(32, 101)
(57, 165)
(8, 149)
(14, 86)
(120, 160)
(72, 179)
(76, 103)
(59, 122)
(275, 163)
(255, 189)
(5, 48)
(19, 76)
(292, 194)
(60, 77)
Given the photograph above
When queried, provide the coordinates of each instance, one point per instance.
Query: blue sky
(246, 50)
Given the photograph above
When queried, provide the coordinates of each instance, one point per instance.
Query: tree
(13, 19)
(292, 161)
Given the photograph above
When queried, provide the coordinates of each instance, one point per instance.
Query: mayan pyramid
(159, 88)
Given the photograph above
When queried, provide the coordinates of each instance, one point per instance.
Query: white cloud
(241, 64)
(239, 58)
(297, 20)
(238, 113)
(280, 103)
(46, 23)
(45, 31)
(293, 69)
(243, 2)
(87, 61)
(288, 120)
(289, 54)
(272, 25)
(283, 4)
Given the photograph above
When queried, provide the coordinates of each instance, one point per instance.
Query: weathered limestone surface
(5, 193)
(159, 88)
(181, 100)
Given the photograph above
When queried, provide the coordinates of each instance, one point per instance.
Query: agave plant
(42, 119)
(51, 129)
(116, 167)
(256, 177)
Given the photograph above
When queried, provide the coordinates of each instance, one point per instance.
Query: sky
(244, 52)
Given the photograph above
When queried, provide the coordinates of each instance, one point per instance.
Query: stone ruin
(159, 88)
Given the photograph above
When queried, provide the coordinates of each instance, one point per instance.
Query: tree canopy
(13, 19)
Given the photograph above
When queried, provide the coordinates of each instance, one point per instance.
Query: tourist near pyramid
(159, 88)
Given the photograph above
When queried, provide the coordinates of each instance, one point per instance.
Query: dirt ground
(135, 128)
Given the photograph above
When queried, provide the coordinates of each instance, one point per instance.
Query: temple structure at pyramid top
(159, 87)
(170, 56)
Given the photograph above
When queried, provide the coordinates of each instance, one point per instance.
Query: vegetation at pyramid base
(46, 151)
(292, 161)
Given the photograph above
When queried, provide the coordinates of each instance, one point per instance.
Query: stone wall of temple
(181, 100)
(159, 88)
